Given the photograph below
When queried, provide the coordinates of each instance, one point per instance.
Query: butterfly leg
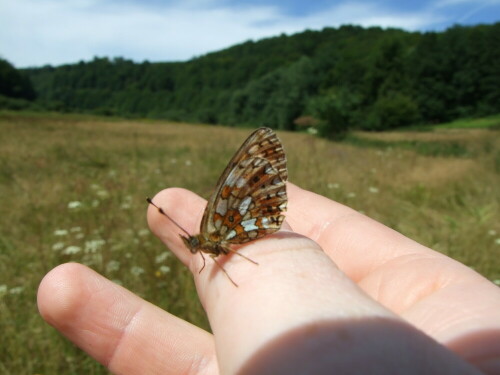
(202, 257)
(213, 256)
(241, 255)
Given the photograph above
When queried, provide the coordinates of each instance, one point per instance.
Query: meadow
(73, 188)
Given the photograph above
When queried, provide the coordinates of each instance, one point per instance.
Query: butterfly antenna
(160, 210)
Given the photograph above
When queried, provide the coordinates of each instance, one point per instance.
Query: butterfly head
(192, 243)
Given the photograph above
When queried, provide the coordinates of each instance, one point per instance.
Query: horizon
(54, 32)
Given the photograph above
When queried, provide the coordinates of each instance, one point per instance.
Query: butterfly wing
(251, 192)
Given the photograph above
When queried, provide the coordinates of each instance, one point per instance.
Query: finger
(296, 294)
(427, 288)
(123, 332)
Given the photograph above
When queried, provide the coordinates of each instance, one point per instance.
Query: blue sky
(39, 32)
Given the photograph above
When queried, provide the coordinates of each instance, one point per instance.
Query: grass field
(73, 188)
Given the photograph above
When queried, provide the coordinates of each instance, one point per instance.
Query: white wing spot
(265, 222)
(221, 207)
(241, 182)
(249, 225)
(270, 169)
(231, 234)
(245, 203)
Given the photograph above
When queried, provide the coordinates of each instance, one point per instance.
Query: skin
(341, 293)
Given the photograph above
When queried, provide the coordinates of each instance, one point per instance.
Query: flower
(70, 250)
(137, 271)
(143, 232)
(16, 290)
(102, 193)
(58, 246)
(373, 190)
(60, 232)
(113, 265)
(351, 195)
(162, 257)
(164, 269)
(74, 205)
(93, 245)
(333, 186)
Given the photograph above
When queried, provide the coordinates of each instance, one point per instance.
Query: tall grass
(72, 188)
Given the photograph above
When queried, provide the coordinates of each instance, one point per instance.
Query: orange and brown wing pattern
(251, 193)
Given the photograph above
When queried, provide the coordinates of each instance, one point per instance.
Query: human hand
(372, 301)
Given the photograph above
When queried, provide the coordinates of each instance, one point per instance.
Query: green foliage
(349, 77)
(337, 111)
(392, 111)
(13, 83)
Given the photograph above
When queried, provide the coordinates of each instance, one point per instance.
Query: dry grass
(72, 189)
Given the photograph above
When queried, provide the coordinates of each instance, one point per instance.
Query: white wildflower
(93, 245)
(188, 163)
(74, 205)
(333, 186)
(143, 232)
(351, 195)
(137, 271)
(312, 131)
(3, 290)
(16, 290)
(70, 250)
(164, 269)
(373, 190)
(60, 232)
(102, 193)
(125, 206)
(162, 257)
(497, 241)
(58, 246)
(113, 265)
(492, 232)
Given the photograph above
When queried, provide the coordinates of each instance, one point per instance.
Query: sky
(56, 32)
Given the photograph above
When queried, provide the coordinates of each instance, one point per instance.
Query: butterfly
(248, 202)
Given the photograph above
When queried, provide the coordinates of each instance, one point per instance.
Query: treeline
(334, 79)
(16, 89)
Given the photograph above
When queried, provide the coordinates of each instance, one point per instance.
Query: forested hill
(350, 76)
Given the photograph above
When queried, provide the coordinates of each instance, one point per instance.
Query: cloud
(38, 32)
